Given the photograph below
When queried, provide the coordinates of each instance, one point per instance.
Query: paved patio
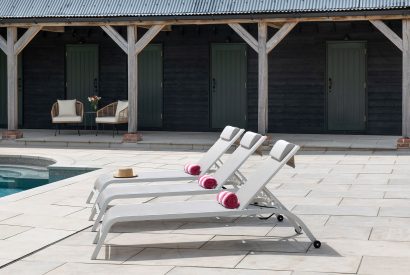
(356, 202)
(191, 140)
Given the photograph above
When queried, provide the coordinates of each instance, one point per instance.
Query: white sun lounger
(249, 192)
(227, 138)
(248, 145)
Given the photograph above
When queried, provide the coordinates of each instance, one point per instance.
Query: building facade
(325, 76)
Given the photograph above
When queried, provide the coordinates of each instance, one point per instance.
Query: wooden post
(12, 78)
(406, 79)
(404, 45)
(132, 80)
(132, 47)
(12, 47)
(262, 79)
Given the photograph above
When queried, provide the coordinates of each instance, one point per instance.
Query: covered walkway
(198, 141)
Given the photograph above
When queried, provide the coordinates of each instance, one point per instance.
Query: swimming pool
(20, 173)
(15, 179)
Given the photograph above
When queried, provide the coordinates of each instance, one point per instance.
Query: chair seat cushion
(67, 119)
(106, 119)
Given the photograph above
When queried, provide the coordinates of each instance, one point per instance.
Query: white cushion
(106, 119)
(120, 107)
(249, 139)
(281, 149)
(67, 119)
(229, 132)
(66, 107)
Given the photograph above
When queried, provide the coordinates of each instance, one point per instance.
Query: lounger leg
(96, 129)
(99, 244)
(113, 130)
(302, 225)
(78, 130)
(97, 221)
(90, 196)
(55, 131)
(93, 212)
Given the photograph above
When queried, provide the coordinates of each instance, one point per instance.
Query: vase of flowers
(94, 102)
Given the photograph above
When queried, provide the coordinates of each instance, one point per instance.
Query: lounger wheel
(280, 218)
(298, 230)
(317, 244)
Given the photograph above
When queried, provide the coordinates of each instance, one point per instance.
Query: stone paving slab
(358, 211)
(188, 257)
(385, 265)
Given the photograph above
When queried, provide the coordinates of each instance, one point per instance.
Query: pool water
(14, 179)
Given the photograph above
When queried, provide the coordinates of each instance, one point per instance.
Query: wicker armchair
(109, 115)
(58, 120)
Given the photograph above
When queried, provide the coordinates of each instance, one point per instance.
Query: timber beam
(214, 21)
(245, 35)
(279, 35)
(389, 33)
(406, 79)
(262, 78)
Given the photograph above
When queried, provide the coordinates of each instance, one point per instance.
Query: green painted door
(3, 89)
(228, 85)
(81, 72)
(150, 87)
(346, 86)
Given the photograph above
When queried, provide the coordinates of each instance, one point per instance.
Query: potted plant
(94, 102)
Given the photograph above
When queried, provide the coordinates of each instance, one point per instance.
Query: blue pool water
(15, 179)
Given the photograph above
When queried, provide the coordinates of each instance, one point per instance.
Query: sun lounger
(248, 145)
(227, 138)
(280, 154)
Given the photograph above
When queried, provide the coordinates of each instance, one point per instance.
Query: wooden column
(406, 79)
(12, 47)
(402, 44)
(132, 47)
(262, 78)
(12, 79)
(263, 46)
(132, 80)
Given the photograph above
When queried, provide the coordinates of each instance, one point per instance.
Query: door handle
(213, 85)
(330, 84)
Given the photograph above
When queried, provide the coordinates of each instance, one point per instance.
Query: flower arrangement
(94, 101)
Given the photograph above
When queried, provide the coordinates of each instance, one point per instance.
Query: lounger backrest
(280, 154)
(228, 137)
(248, 145)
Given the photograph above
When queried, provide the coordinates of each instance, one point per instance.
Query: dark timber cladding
(287, 88)
(297, 75)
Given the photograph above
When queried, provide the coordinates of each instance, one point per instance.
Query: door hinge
(161, 116)
(365, 51)
(245, 117)
(246, 53)
(161, 84)
(161, 53)
(365, 118)
(365, 85)
(246, 84)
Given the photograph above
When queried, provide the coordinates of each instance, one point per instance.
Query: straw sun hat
(125, 173)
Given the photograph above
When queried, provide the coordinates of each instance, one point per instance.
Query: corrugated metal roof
(140, 8)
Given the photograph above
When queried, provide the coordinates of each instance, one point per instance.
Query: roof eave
(308, 16)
